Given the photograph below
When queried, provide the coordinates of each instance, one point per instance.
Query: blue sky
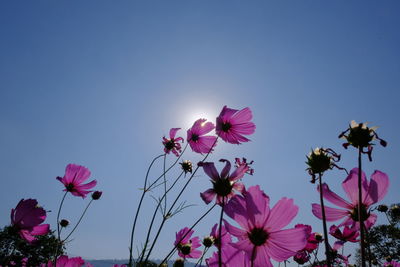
(98, 83)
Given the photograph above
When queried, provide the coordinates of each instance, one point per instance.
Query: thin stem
(165, 186)
(202, 256)
(176, 200)
(155, 214)
(183, 237)
(360, 207)
(220, 233)
(253, 255)
(58, 227)
(80, 219)
(321, 198)
(138, 209)
(368, 248)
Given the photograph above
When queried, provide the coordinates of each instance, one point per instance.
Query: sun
(204, 113)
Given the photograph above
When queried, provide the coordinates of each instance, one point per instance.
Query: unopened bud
(179, 263)
(96, 195)
(382, 208)
(395, 210)
(318, 237)
(208, 241)
(187, 166)
(64, 223)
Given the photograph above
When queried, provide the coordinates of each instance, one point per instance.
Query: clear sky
(98, 83)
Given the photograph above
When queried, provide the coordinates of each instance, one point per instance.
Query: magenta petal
(262, 258)
(350, 185)
(41, 229)
(173, 132)
(285, 243)
(378, 188)
(333, 198)
(239, 233)
(208, 195)
(244, 245)
(210, 170)
(332, 214)
(26, 235)
(237, 210)
(242, 116)
(76, 173)
(226, 169)
(239, 172)
(282, 214)
(257, 203)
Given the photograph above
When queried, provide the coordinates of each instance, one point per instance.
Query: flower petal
(210, 170)
(284, 244)
(378, 188)
(333, 198)
(226, 169)
(208, 195)
(350, 185)
(282, 214)
(331, 214)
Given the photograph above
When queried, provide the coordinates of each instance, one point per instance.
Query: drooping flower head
(197, 139)
(27, 217)
(372, 192)
(261, 236)
(233, 124)
(360, 136)
(320, 160)
(187, 245)
(172, 144)
(75, 176)
(224, 184)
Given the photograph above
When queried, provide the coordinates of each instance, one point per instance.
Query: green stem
(220, 233)
(321, 197)
(176, 200)
(183, 237)
(58, 227)
(154, 216)
(138, 209)
(360, 207)
(79, 221)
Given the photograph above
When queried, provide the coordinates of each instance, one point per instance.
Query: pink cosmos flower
(73, 180)
(195, 136)
(64, 261)
(312, 240)
(27, 218)
(231, 257)
(372, 192)
(232, 124)
(261, 236)
(186, 245)
(224, 183)
(301, 257)
(226, 237)
(392, 264)
(348, 234)
(172, 144)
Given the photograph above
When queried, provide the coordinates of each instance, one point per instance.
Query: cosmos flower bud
(96, 195)
(208, 241)
(395, 210)
(320, 160)
(64, 223)
(318, 237)
(382, 208)
(179, 263)
(360, 136)
(187, 166)
(388, 259)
